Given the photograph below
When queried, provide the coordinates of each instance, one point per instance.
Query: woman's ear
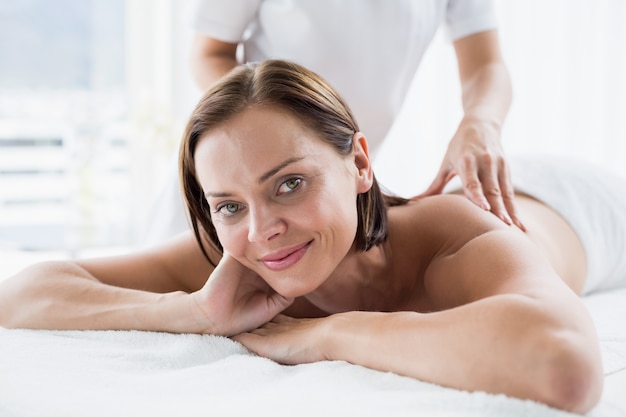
(365, 174)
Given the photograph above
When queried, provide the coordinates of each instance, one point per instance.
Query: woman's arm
(510, 344)
(144, 290)
(63, 296)
(164, 289)
(526, 335)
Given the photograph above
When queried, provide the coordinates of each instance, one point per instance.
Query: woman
(299, 256)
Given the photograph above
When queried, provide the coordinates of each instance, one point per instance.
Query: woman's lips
(285, 258)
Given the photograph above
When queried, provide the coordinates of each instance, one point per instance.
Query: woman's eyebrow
(277, 168)
(209, 194)
(262, 178)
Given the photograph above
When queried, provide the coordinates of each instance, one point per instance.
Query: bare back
(443, 230)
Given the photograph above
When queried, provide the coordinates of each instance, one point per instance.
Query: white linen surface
(132, 373)
(608, 310)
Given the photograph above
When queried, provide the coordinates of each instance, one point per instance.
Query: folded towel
(592, 200)
(132, 373)
(153, 374)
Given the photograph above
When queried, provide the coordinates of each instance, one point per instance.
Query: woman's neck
(362, 281)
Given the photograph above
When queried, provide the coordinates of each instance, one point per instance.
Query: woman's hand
(290, 341)
(235, 299)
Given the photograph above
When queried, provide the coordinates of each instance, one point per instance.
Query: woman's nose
(264, 225)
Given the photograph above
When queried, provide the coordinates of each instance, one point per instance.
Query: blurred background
(94, 95)
(93, 98)
(567, 60)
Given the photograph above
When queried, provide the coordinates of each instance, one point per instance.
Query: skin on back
(423, 268)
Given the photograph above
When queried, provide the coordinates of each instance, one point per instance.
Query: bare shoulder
(469, 254)
(446, 221)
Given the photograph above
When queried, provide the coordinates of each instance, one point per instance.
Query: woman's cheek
(233, 238)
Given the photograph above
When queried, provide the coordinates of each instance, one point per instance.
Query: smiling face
(282, 201)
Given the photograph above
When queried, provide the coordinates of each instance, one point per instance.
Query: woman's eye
(289, 185)
(229, 209)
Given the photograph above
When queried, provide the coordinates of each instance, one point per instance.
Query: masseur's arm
(211, 59)
(475, 152)
(163, 289)
(526, 335)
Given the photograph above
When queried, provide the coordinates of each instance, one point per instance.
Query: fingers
(259, 309)
(487, 183)
(280, 321)
(281, 318)
(473, 188)
(278, 303)
(287, 340)
(508, 196)
(252, 337)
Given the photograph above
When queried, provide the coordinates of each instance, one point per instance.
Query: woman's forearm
(63, 296)
(503, 344)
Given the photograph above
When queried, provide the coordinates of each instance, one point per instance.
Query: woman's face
(283, 202)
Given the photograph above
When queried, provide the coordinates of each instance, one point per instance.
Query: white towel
(132, 373)
(592, 200)
(608, 310)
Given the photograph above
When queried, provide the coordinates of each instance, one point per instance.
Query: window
(64, 145)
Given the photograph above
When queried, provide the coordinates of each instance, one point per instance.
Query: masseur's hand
(236, 299)
(476, 156)
(288, 340)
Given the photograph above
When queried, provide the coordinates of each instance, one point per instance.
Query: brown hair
(311, 100)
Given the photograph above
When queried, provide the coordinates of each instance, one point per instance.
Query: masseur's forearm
(211, 59)
(503, 344)
(62, 295)
(208, 69)
(486, 96)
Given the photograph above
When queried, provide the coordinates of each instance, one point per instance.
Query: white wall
(567, 60)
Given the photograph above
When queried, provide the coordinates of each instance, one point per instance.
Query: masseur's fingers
(508, 195)
(473, 186)
(488, 185)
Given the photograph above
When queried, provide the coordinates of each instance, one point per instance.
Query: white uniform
(369, 50)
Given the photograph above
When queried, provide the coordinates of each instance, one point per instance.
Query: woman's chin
(291, 288)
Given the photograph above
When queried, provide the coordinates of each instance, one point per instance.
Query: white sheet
(130, 373)
(608, 310)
